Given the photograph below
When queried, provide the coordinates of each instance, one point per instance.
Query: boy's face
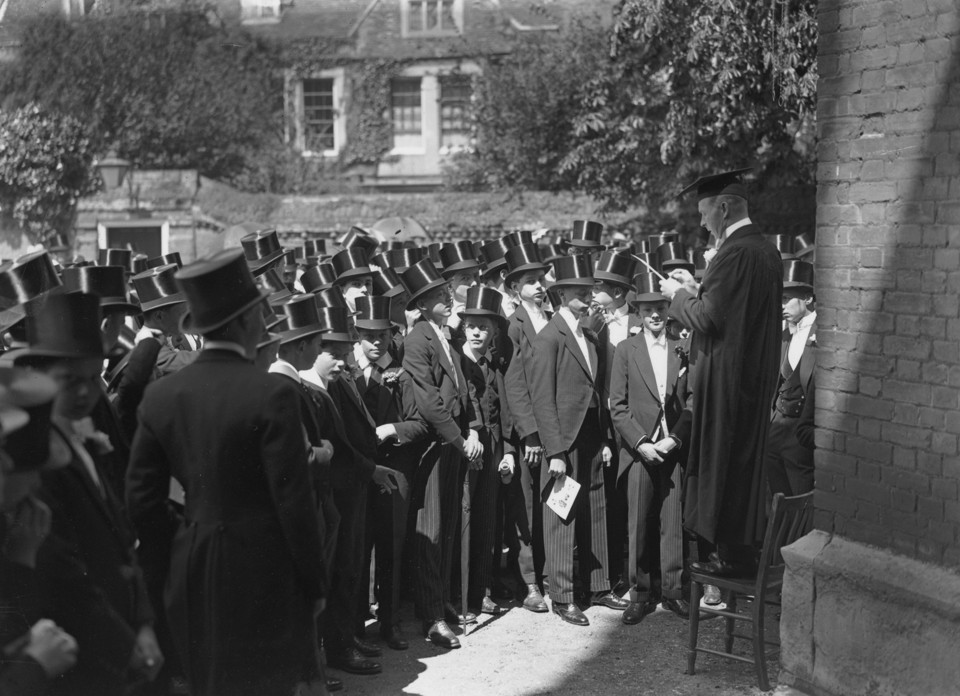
(436, 305)
(110, 329)
(531, 287)
(79, 383)
(796, 305)
(479, 332)
(461, 281)
(605, 294)
(576, 298)
(332, 359)
(373, 343)
(354, 288)
(654, 315)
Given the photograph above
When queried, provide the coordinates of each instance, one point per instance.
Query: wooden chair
(789, 521)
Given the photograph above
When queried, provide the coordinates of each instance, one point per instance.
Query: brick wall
(888, 275)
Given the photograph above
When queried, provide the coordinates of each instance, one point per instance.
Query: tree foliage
(692, 86)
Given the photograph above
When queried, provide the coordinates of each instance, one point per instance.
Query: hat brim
(188, 326)
(31, 355)
(173, 299)
(585, 244)
(373, 324)
(259, 264)
(351, 273)
(302, 332)
(502, 320)
(273, 338)
(526, 268)
(678, 264)
(622, 281)
(119, 305)
(793, 285)
(574, 282)
(424, 290)
(648, 297)
(468, 265)
(337, 337)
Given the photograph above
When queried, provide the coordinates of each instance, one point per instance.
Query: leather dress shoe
(333, 684)
(637, 612)
(723, 568)
(440, 634)
(570, 613)
(352, 661)
(392, 639)
(711, 595)
(452, 616)
(488, 606)
(680, 607)
(534, 600)
(610, 600)
(366, 649)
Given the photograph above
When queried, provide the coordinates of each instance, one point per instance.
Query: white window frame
(251, 11)
(164, 225)
(295, 88)
(406, 10)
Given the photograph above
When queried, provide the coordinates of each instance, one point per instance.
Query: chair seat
(741, 585)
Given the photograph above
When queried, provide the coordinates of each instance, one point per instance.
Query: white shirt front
(574, 325)
(312, 377)
(657, 349)
(366, 367)
(798, 338)
(733, 228)
(446, 349)
(537, 316)
(618, 324)
(282, 367)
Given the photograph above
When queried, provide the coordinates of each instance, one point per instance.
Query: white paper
(563, 496)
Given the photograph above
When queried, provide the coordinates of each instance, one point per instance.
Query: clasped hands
(473, 450)
(654, 452)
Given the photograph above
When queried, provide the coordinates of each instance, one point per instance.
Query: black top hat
(641, 246)
(797, 274)
(290, 259)
(336, 323)
(330, 297)
(483, 302)
(307, 248)
(523, 258)
(116, 257)
(392, 245)
(457, 257)
(157, 288)
(494, 254)
(654, 241)
(573, 270)
(419, 279)
(671, 255)
(139, 263)
(218, 289)
(804, 245)
(373, 313)
(272, 320)
(357, 237)
(399, 259)
(165, 260)
(319, 277)
(727, 183)
(386, 282)
(30, 277)
(647, 288)
(65, 326)
(109, 282)
(786, 244)
(271, 281)
(518, 237)
(549, 252)
(433, 253)
(586, 233)
(302, 318)
(615, 267)
(351, 263)
(261, 248)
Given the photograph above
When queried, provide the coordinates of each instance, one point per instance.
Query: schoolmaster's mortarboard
(726, 183)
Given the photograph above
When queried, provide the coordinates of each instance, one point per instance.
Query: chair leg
(759, 647)
(730, 623)
(694, 622)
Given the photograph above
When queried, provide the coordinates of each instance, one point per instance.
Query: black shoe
(334, 684)
(570, 613)
(440, 634)
(680, 607)
(610, 600)
(451, 615)
(393, 640)
(723, 568)
(366, 649)
(352, 661)
(637, 612)
(488, 606)
(534, 600)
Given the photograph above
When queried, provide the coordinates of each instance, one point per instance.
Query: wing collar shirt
(313, 378)
(365, 366)
(574, 325)
(734, 227)
(282, 367)
(618, 324)
(657, 348)
(446, 349)
(799, 333)
(537, 315)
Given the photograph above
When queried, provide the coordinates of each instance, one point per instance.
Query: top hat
(261, 248)
(272, 320)
(27, 401)
(289, 259)
(30, 277)
(218, 289)
(615, 267)
(373, 313)
(139, 263)
(457, 257)
(357, 237)
(330, 297)
(483, 302)
(116, 257)
(797, 274)
(165, 260)
(586, 233)
(386, 282)
(301, 318)
(518, 237)
(157, 288)
(671, 255)
(392, 245)
(494, 254)
(336, 324)
(398, 259)
(549, 252)
(804, 245)
(647, 288)
(641, 246)
(521, 259)
(419, 279)
(106, 281)
(64, 326)
(307, 248)
(351, 263)
(433, 252)
(271, 281)
(319, 277)
(786, 244)
(573, 270)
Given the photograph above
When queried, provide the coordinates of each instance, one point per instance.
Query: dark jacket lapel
(571, 343)
(641, 356)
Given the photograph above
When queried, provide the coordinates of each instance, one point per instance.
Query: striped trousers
(653, 491)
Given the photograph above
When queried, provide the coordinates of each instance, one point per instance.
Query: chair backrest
(789, 520)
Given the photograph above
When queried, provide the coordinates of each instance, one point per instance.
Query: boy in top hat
(262, 250)
(525, 278)
(574, 425)
(789, 463)
(462, 269)
(105, 606)
(387, 392)
(246, 570)
(441, 392)
(648, 396)
(585, 238)
(353, 434)
(484, 369)
(354, 276)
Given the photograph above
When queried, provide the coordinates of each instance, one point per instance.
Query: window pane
(447, 22)
(455, 92)
(415, 15)
(405, 102)
(318, 115)
(431, 16)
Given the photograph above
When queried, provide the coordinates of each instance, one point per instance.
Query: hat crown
(156, 284)
(165, 260)
(496, 250)
(330, 297)
(458, 254)
(481, 298)
(615, 266)
(420, 275)
(786, 244)
(336, 320)
(357, 237)
(29, 277)
(523, 255)
(116, 257)
(352, 261)
(573, 269)
(728, 182)
(549, 252)
(109, 282)
(399, 259)
(318, 277)
(797, 273)
(373, 308)
(518, 237)
(587, 231)
(217, 289)
(260, 245)
(300, 312)
(672, 254)
(384, 280)
(647, 286)
(66, 325)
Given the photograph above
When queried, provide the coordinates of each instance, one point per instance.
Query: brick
(948, 213)
(907, 414)
(873, 191)
(946, 488)
(905, 501)
(929, 550)
(933, 327)
(908, 325)
(837, 463)
(908, 370)
(940, 532)
(868, 471)
(907, 435)
(869, 343)
(913, 481)
(913, 30)
(905, 391)
(933, 281)
(951, 423)
(867, 449)
(870, 386)
(907, 347)
(930, 464)
(838, 42)
(868, 512)
(941, 397)
(932, 417)
(944, 443)
(835, 503)
(904, 457)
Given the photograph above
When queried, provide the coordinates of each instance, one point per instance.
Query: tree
(693, 86)
(45, 166)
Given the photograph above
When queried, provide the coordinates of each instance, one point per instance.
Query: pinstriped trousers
(585, 527)
(654, 491)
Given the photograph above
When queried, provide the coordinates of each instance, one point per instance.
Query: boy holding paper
(648, 392)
